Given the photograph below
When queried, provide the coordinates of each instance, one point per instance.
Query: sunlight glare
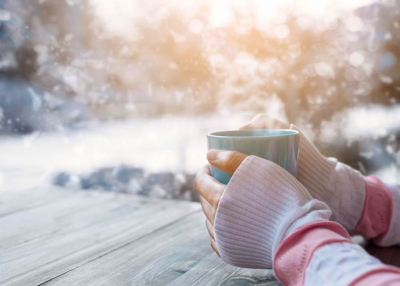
(120, 17)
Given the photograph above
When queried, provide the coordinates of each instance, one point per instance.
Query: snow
(375, 120)
(4, 15)
(173, 144)
(165, 144)
(356, 59)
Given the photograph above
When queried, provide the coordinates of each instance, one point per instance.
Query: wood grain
(179, 254)
(58, 237)
(14, 201)
(64, 242)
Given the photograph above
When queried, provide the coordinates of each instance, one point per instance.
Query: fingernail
(212, 155)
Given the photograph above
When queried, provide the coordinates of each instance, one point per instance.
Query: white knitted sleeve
(261, 205)
(339, 264)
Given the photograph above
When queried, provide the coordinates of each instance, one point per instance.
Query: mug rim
(216, 134)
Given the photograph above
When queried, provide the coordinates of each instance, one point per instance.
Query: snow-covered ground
(163, 144)
(176, 144)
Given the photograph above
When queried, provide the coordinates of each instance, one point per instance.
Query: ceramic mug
(280, 146)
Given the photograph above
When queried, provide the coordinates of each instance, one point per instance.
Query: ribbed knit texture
(340, 264)
(393, 235)
(258, 207)
(339, 186)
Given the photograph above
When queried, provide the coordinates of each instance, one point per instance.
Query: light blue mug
(280, 146)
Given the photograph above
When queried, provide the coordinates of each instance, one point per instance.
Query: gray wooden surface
(61, 237)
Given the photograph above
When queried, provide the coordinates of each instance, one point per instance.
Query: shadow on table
(388, 255)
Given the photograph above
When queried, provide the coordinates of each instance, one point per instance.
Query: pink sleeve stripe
(302, 243)
(378, 208)
(384, 276)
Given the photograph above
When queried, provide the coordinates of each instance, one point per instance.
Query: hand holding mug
(210, 189)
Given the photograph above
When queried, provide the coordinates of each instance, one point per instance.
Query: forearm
(322, 254)
(362, 205)
(265, 218)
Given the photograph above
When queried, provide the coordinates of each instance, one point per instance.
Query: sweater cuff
(301, 245)
(377, 213)
(392, 236)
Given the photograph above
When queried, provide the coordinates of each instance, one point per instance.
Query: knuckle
(216, 201)
(216, 204)
(196, 182)
(232, 158)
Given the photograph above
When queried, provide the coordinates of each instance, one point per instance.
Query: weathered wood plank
(15, 201)
(212, 271)
(178, 254)
(91, 238)
(79, 210)
(76, 240)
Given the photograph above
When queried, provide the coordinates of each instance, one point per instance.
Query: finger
(208, 210)
(263, 121)
(208, 187)
(227, 161)
(214, 247)
(210, 229)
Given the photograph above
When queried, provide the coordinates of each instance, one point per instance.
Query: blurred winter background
(118, 95)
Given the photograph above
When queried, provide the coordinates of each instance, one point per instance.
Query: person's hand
(210, 189)
(332, 182)
(262, 204)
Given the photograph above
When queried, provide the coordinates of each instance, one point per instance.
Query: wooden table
(63, 237)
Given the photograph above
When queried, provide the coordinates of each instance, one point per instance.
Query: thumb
(227, 161)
